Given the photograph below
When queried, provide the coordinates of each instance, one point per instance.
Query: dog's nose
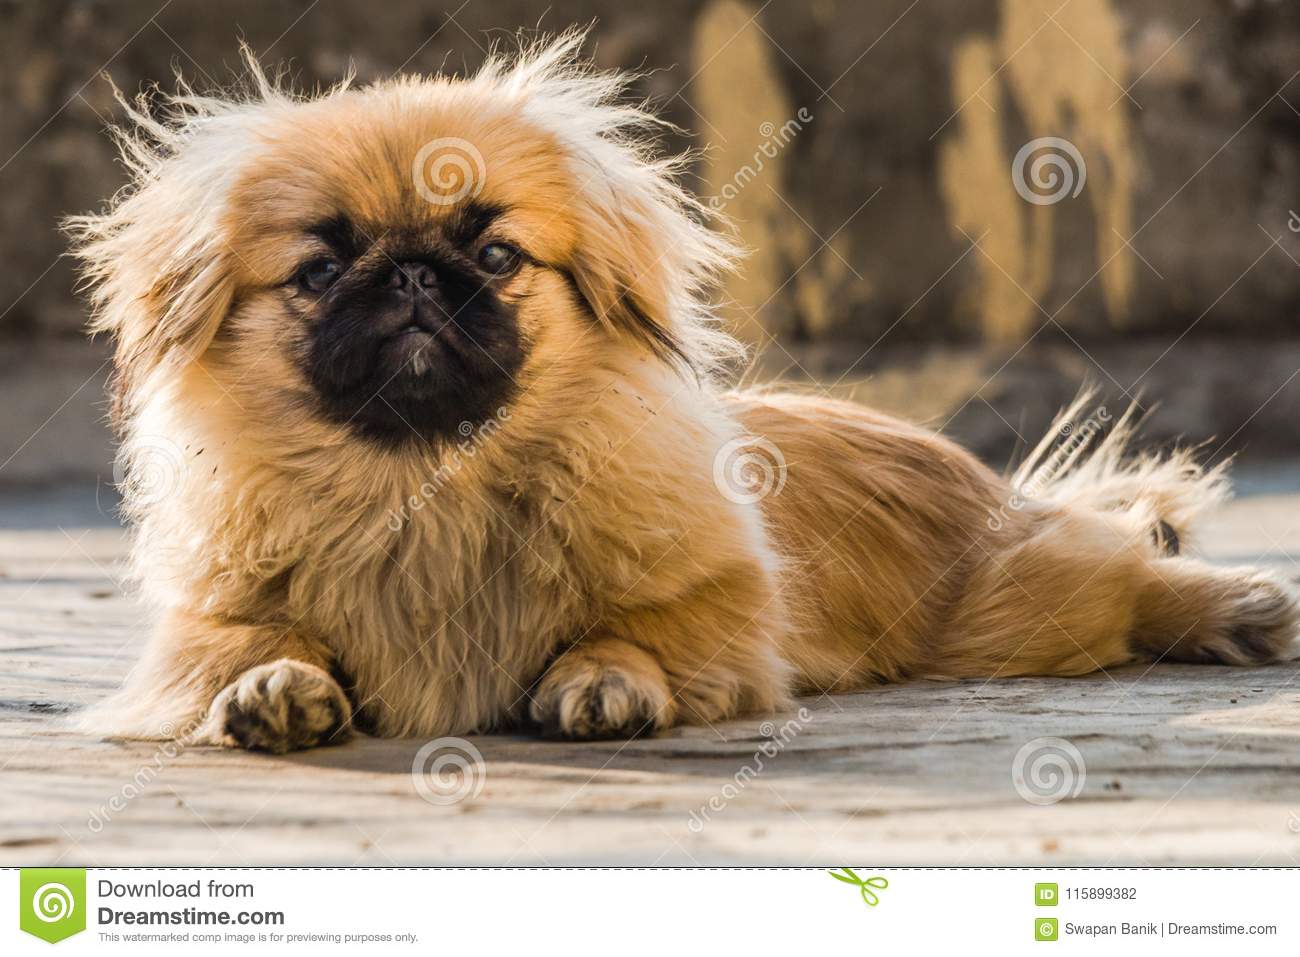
(408, 276)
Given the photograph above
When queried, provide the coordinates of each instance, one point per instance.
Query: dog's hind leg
(1192, 611)
(1087, 591)
(1182, 609)
(1054, 596)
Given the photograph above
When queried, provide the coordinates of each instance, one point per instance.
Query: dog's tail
(1184, 609)
(1085, 460)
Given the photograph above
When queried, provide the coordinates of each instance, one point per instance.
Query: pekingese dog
(424, 433)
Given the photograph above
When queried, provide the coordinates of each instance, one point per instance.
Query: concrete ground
(1164, 764)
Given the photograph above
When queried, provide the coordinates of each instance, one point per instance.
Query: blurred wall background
(868, 153)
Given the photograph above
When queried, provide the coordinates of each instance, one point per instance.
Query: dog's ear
(642, 259)
(159, 280)
(156, 260)
(646, 250)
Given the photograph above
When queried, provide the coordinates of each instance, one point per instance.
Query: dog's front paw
(609, 689)
(280, 707)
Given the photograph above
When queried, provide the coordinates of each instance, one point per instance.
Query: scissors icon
(865, 886)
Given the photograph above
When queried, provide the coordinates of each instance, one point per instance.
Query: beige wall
(928, 106)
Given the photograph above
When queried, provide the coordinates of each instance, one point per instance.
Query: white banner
(647, 911)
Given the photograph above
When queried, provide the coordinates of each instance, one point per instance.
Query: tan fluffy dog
(423, 434)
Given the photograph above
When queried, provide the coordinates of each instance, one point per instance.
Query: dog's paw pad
(283, 706)
(592, 703)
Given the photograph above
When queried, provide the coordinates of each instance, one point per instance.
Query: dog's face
(411, 331)
(406, 325)
(406, 261)
(402, 259)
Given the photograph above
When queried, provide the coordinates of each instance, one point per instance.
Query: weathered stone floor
(1182, 763)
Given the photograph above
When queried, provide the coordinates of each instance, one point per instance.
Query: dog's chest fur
(444, 592)
(442, 625)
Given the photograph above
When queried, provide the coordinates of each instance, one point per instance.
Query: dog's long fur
(584, 559)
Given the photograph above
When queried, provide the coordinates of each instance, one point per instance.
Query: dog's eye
(500, 259)
(319, 274)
